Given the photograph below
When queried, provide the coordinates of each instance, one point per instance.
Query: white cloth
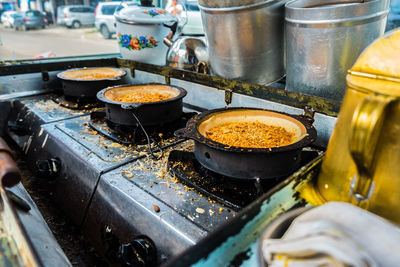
(336, 234)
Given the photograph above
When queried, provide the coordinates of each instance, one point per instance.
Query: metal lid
(378, 68)
(144, 15)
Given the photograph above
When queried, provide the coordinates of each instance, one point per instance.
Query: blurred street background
(53, 41)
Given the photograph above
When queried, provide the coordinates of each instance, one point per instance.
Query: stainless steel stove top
(100, 183)
(117, 193)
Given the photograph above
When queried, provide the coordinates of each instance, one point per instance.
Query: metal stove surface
(82, 155)
(27, 114)
(144, 198)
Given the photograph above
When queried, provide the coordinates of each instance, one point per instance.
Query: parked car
(194, 24)
(394, 15)
(29, 20)
(2, 10)
(48, 16)
(75, 16)
(8, 18)
(105, 21)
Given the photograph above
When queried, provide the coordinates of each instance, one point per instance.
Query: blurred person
(174, 8)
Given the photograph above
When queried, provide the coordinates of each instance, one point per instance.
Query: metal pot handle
(366, 127)
(202, 67)
(173, 27)
(182, 133)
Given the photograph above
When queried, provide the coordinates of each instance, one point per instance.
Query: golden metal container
(362, 162)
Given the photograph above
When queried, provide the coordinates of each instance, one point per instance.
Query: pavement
(53, 41)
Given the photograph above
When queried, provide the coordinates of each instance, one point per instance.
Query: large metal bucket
(246, 42)
(323, 40)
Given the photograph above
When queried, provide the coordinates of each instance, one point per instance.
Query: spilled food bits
(200, 210)
(156, 208)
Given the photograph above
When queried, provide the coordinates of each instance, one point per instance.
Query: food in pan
(250, 135)
(92, 74)
(139, 96)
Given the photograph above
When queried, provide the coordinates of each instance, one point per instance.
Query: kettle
(362, 162)
(188, 52)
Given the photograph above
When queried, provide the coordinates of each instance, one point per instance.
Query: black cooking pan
(249, 163)
(155, 113)
(75, 85)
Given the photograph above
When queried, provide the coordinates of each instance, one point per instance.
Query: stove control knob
(49, 168)
(140, 252)
(17, 127)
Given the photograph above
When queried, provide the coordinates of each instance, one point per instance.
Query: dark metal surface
(76, 103)
(149, 113)
(127, 135)
(234, 195)
(247, 163)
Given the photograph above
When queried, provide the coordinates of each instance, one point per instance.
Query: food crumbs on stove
(211, 212)
(220, 210)
(156, 208)
(200, 210)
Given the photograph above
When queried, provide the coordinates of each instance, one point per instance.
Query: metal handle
(139, 252)
(202, 67)
(49, 168)
(173, 28)
(366, 127)
(182, 133)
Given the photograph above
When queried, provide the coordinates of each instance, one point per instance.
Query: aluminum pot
(323, 40)
(246, 42)
(140, 33)
(76, 83)
(149, 113)
(248, 163)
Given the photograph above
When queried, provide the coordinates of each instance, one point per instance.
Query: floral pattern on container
(154, 12)
(136, 43)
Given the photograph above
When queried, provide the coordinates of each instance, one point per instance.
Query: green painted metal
(9, 256)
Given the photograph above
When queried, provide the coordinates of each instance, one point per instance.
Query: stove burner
(76, 103)
(233, 193)
(134, 135)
